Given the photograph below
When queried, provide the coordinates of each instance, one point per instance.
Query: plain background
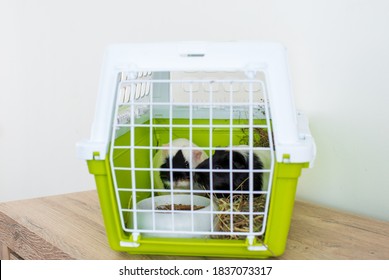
(51, 53)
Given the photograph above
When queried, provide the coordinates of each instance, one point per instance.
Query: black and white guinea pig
(221, 180)
(180, 159)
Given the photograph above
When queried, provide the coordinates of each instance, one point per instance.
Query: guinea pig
(180, 159)
(221, 180)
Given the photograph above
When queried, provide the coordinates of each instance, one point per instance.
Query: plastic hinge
(134, 243)
(254, 247)
(129, 244)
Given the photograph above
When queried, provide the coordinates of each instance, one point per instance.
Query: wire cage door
(192, 154)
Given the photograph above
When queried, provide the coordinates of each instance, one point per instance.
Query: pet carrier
(196, 148)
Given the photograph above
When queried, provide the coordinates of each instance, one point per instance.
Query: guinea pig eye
(186, 164)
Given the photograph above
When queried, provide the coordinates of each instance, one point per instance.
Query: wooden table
(70, 227)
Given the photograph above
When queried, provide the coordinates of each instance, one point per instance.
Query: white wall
(50, 56)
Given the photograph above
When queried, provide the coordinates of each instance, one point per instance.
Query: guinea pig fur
(180, 159)
(221, 179)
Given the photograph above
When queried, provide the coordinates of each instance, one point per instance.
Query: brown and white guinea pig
(221, 180)
(180, 159)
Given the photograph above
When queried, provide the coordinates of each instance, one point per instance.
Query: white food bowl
(179, 223)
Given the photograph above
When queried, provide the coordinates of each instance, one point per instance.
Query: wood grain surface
(70, 226)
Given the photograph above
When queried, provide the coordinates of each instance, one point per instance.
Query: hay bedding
(241, 220)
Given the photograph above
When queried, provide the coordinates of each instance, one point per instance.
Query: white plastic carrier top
(292, 139)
